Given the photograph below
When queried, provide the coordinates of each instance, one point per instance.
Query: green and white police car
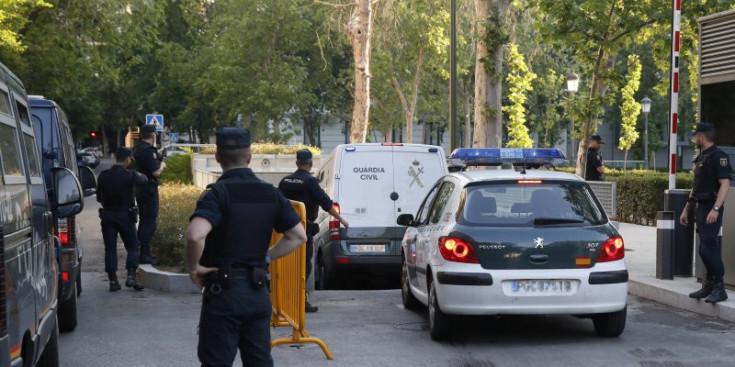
(513, 242)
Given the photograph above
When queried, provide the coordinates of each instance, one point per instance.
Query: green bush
(640, 194)
(177, 202)
(178, 169)
(270, 148)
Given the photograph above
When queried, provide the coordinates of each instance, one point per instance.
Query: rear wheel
(409, 301)
(68, 311)
(324, 280)
(610, 325)
(50, 356)
(439, 322)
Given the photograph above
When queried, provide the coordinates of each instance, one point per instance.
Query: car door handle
(539, 258)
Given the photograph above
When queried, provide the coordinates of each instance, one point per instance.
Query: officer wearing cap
(116, 193)
(302, 186)
(227, 255)
(712, 174)
(595, 171)
(148, 162)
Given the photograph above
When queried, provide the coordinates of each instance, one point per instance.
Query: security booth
(716, 96)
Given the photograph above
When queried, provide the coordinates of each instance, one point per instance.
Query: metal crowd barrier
(288, 292)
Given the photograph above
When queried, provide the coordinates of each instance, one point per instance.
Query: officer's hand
(684, 219)
(163, 165)
(197, 275)
(712, 216)
(344, 223)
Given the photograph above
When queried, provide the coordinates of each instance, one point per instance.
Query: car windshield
(530, 203)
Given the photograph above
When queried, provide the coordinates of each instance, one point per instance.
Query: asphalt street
(370, 328)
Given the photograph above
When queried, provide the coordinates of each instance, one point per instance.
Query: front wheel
(610, 325)
(439, 322)
(68, 311)
(50, 356)
(409, 300)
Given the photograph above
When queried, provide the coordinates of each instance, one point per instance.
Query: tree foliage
(519, 80)
(630, 109)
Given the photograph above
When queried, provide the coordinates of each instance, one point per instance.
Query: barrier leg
(298, 339)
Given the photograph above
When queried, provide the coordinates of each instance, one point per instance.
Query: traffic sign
(155, 119)
(173, 137)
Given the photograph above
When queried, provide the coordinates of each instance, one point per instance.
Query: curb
(670, 297)
(165, 281)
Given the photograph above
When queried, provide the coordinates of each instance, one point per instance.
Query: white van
(371, 184)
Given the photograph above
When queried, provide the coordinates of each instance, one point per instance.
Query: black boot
(705, 291)
(718, 293)
(133, 282)
(146, 257)
(308, 307)
(114, 284)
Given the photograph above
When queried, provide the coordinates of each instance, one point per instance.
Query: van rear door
(417, 168)
(365, 186)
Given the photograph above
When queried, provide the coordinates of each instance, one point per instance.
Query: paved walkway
(640, 244)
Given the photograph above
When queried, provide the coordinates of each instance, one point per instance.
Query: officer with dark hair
(228, 255)
(148, 162)
(712, 174)
(595, 171)
(116, 193)
(302, 186)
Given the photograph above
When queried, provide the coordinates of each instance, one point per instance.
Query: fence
(606, 193)
(288, 292)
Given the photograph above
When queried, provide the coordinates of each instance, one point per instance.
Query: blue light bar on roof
(498, 156)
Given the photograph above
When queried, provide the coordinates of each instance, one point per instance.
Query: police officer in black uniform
(227, 254)
(116, 193)
(302, 186)
(712, 174)
(148, 162)
(595, 171)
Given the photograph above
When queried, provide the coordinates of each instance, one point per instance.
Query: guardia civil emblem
(723, 162)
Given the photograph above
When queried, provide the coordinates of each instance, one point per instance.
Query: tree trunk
(489, 85)
(359, 32)
(482, 11)
(467, 120)
(625, 160)
(582, 150)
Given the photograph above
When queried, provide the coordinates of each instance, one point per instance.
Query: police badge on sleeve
(723, 162)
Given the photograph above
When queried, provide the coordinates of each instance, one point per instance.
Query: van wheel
(439, 322)
(50, 356)
(79, 282)
(68, 311)
(409, 300)
(610, 325)
(324, 279)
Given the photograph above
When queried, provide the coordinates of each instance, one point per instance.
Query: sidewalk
(640, 244)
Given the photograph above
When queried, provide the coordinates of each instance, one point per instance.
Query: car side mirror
(88, 181)
(406, 220)
(68, 200)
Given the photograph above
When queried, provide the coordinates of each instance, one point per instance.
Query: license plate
(367, 248)
(542, 287)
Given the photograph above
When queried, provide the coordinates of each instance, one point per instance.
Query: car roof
(38, 101)
(509, 174)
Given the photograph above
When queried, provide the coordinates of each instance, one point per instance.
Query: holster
(311, 228)
(133, 214)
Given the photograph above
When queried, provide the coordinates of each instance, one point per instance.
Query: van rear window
(530, 203)
(10, 151)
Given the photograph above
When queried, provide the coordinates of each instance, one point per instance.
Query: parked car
(29, 334)
(89, 158)
(371, 184)
(57, 150)
(524, 242)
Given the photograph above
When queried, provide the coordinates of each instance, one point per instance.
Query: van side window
(441, 202)
(5, 103)
(23, 114)
(32, 151)
(10, 151)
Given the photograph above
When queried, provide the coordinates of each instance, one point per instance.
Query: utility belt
(703, 198)
(216, 282)
(132, 212)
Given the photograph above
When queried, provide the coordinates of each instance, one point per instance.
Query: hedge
(177, 202)
(640, 194)
(178, 170)
(270, 148)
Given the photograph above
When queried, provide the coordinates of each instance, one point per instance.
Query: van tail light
(612, 250)
(454, 249)
(3, 301)
(67, 234)
(334, 225)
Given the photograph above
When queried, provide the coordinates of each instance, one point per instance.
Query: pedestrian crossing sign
(156, 120)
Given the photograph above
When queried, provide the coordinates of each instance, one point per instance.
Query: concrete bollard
(665, 245)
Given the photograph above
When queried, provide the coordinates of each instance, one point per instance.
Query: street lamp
(645, 108)
(572, 88)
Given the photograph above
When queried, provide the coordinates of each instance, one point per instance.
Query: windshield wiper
(551, 221)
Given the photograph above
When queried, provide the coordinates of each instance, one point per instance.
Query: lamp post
(572, 88)
(645, 108)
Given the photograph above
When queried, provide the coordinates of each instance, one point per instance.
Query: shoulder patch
(723, 162)
(204, 193)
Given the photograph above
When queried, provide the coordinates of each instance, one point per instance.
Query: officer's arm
(140, 178)
(722, 192)
(292, 239)
(157, 173)
(197, 232)
(325, 202)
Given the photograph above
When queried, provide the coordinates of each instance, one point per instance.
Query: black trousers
(309, 255)
(114, 223)
(148, 209)
(237, 318)
(710, 245)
